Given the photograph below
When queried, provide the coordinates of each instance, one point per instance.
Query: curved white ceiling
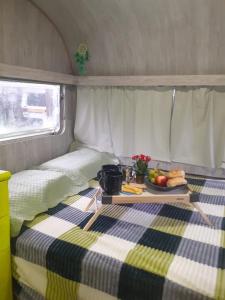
(142, 37)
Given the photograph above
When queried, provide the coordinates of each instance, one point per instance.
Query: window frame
(39, 133)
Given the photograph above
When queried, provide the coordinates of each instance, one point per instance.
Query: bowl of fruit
(165, 181)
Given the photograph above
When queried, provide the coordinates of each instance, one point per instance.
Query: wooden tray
(146, 197)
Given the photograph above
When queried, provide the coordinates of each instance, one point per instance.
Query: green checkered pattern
(138, 251)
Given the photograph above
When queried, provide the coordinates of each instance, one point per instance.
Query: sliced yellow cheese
(131, 189)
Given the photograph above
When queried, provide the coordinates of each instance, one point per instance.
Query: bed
(139, 251)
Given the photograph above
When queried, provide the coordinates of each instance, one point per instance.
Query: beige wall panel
(27, 38)
(144, 37)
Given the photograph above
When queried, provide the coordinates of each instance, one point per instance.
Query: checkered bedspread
(139, 251)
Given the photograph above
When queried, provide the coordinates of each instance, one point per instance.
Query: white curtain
(125, 121)
(198, 135)
(92, 126)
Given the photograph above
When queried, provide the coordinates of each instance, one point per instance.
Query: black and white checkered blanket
(138, 251)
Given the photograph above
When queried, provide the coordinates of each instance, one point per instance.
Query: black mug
(112, 182)
(110, 179)
(107, 168)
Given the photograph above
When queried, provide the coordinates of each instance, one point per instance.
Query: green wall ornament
(81, 57)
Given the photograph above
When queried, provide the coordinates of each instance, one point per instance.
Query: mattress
(135, 251)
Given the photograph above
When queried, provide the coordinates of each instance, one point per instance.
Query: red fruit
(161, 180)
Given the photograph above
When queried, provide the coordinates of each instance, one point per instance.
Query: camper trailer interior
(112, 149)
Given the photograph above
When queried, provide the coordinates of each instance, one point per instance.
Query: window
(28, 109)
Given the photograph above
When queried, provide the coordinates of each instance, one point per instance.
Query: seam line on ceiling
(57, 30)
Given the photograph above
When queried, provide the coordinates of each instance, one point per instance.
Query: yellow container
(5, 257)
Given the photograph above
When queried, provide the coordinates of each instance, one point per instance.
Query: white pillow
(80, 165)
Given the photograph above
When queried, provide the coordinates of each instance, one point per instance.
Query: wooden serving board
(145, 197)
